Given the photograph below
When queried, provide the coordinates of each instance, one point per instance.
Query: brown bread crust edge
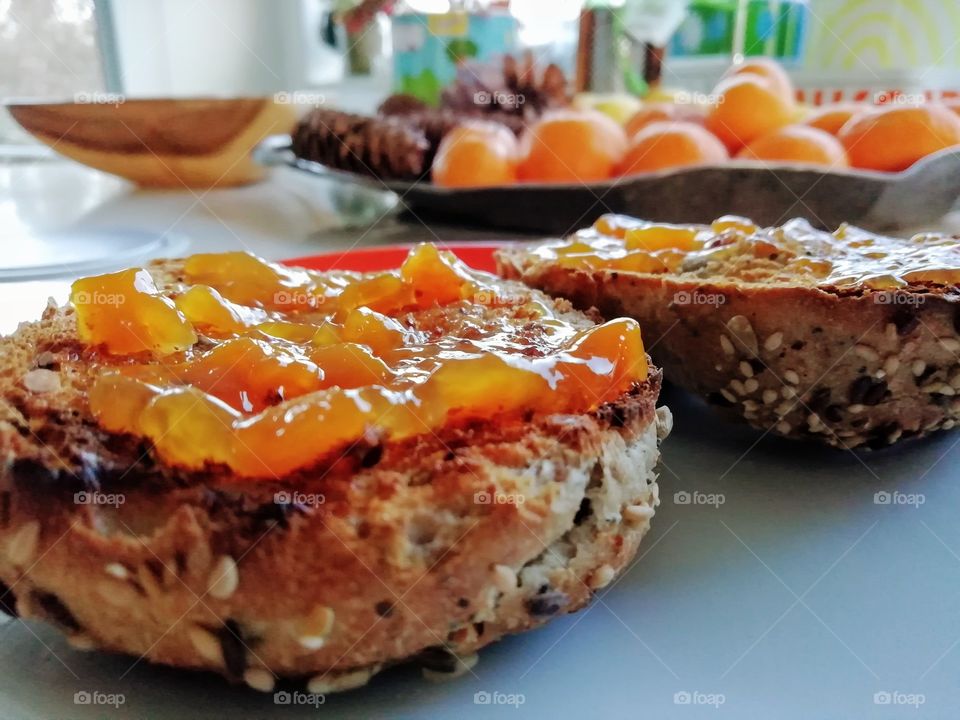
(849, 369)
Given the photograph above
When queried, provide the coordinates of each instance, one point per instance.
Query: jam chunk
(436, 277)
(248, 280)
(734, 222)
(126, 314)
(250, 375)
(384, 293)
(379, 332)
(349, 365)
(245, 373)
(178, 418)
(661, 237)
(285, 330)
(210, 312)
(617, 225)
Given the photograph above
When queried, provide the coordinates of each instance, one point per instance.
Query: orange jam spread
(267, 370)
(735, 248)
(151, 324)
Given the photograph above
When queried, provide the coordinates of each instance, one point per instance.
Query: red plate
(389, 257)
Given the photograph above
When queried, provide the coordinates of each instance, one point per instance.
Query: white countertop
(59, 206)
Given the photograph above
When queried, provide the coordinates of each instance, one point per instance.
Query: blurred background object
(432, 50)
(174, 143)
(48, 48)
(755, 27)
(55, 48)
(392, 78)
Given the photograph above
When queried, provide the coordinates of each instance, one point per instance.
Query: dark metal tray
(767, 194)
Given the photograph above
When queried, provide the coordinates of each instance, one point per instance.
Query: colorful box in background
(868, 37)
(862, 50)
(856, 36)
(882, 51)
(773, 27)
(429, 49)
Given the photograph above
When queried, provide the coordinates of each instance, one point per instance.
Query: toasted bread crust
(386, 553)
(848, 368)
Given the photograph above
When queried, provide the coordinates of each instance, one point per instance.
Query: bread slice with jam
(224, 464)
(848, 338)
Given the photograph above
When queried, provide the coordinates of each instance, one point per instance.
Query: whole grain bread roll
(846, 338)
(424, 549)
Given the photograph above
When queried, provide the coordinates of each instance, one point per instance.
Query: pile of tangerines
(751, 115)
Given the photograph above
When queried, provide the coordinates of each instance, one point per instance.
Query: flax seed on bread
(846, 338)
(423, 549)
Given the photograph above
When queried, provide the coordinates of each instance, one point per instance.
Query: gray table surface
(797, 594)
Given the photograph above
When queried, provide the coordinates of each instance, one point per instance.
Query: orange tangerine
(746, 106)
(570, 146)
(797, 143)
(671, 144)
(660, 111)
(830, 118)
(769, 69)
(476, 154)
(894, 137)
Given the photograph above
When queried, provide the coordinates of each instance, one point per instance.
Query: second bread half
(848, 337)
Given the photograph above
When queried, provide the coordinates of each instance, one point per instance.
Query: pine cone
(539, 93)
(401, 104)
(387, 148)
(519, 90)
(436, 123)
(418, 113)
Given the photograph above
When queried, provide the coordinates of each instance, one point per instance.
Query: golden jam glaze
(267, 370)
(736, 249)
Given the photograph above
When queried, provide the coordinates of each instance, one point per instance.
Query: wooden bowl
(168, 143)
